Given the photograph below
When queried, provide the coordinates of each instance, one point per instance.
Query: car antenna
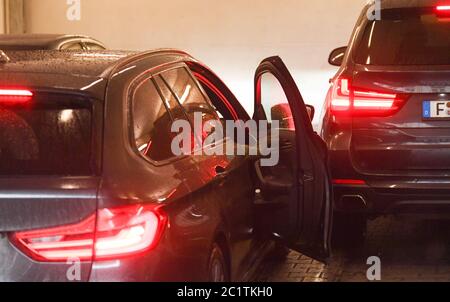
(4, 57)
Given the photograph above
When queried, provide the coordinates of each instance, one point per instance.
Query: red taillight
(15, 95)
(350, 182)
(111, 234)
(347, 100)
(60, 243)
(443, 8)
(443, 12)
(129, 230)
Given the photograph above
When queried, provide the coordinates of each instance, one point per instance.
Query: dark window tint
(152, 123)
(406, 37)
(171, 100)
(52, 136)
(72, 46)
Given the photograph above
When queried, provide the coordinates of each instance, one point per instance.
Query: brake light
(115, 233)
(347, 100)
(15, 95)
(443, 11)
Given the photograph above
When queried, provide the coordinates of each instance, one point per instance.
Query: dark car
(49, 42)
(87, 179)
(387, 116)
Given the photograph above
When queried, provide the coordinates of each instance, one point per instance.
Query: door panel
(294, 199)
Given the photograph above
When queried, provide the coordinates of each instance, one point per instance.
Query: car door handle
(286, 144)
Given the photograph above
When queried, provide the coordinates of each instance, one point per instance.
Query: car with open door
(98, 194)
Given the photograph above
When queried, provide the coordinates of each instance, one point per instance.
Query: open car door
(294, 195)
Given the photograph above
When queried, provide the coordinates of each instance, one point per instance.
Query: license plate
(436, 109)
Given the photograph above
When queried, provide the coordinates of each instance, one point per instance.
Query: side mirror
(311, 112)
(337, 56)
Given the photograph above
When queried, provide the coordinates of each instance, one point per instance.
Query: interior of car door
(292, 201)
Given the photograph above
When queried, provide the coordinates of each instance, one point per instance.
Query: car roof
(74, 69)
(391, 4)
(37, 41)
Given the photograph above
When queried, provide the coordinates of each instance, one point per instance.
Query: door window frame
(184, 66)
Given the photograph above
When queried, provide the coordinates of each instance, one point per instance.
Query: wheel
(349, 230)
(278, 253)
(217, 268)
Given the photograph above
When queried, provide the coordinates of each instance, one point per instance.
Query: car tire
(217, 267)
(349, 230)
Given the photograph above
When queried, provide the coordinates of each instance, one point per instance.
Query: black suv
(387, 116)
(90, 190)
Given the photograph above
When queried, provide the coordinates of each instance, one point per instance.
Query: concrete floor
(409, 250)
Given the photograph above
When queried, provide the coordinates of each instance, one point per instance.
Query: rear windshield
(49, 135)
(406, 37)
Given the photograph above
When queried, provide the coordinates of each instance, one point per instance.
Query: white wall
(230, 36)
(2, 16)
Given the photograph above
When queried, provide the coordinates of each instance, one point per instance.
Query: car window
(218, 103)
(151, 123)
(275, 102)
(176, 110)
(72, 46)
(93, 46)
(187, 92)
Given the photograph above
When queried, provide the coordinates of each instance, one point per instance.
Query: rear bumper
(427, 198)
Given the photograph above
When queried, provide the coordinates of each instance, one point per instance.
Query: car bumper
(160, 265)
